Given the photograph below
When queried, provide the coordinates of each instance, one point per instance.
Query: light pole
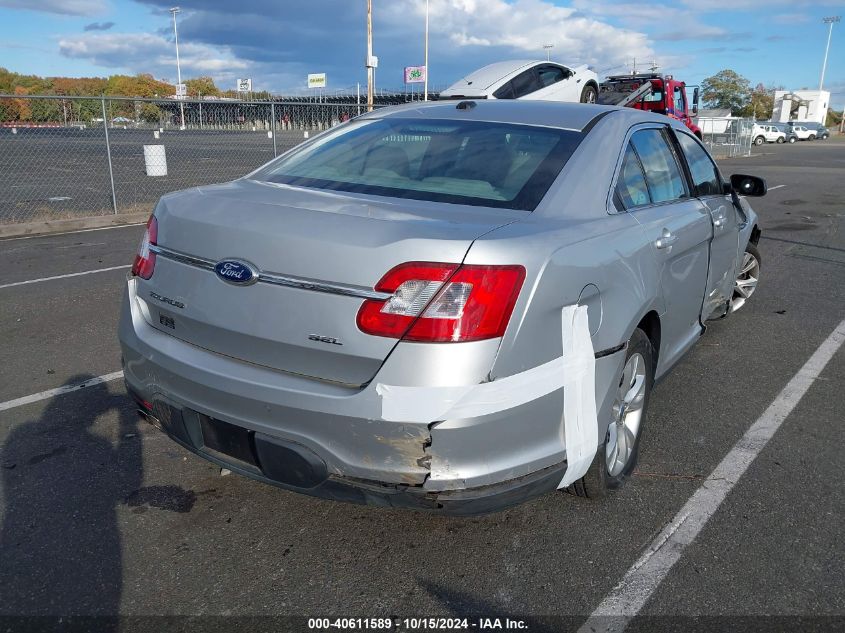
(370, 67)
(548, 48)
(829, 21)
(425, 93)
(174, 11)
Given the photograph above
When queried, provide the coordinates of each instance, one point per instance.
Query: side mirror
(748, 185)
(694, 103)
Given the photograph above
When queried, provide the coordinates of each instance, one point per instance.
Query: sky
(278, 42)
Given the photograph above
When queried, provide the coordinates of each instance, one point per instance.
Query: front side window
(662, 173)
(705, 175)
(679, 100)
(549, 75)
(463, 162)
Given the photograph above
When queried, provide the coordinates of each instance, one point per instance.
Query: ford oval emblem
(236, 272)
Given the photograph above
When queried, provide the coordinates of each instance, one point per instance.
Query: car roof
(486, 76)
(568, 116)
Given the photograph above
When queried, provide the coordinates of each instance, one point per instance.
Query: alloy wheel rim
(746, 281)
(627, 415)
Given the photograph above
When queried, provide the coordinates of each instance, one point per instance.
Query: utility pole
(174, 11)
(425, 94)
(829, 21)
(370, 61)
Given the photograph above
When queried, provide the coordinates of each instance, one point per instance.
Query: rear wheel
(616, 457)
(747, 278)
(759, 140)
(792, 139)
(589, 94)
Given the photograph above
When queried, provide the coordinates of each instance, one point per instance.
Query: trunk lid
(344, 240)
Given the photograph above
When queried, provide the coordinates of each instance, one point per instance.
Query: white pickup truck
(767, 134)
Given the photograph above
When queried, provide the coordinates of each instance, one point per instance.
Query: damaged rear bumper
(294, 467)
(331, 441)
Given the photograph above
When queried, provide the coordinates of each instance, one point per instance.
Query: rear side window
(705, 176)
(464, 162)
(631, 187)
(525, 83)
(663, 175)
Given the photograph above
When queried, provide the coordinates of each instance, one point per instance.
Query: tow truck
(653, 92)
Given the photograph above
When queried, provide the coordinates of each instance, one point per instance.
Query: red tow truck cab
(649, 91)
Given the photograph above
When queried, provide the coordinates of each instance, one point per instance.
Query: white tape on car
(580, 425)
(574, 372)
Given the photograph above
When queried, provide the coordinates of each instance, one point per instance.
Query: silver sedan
(447, 306)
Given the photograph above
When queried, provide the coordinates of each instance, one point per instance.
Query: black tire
(780, 140)
(589, 94)
(759, 140)
(792, 139)
(597, 482)
(812, 137)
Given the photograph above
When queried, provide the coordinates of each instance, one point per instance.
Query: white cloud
(523, 26)
(64, 7)
(146, 52)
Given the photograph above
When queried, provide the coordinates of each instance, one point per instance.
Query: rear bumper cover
(294, 467)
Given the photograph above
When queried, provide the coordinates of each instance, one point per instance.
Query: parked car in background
(821, 131)
(791, 137)
(531, 80)
(325, 337)
(804, 133)
(765, 133)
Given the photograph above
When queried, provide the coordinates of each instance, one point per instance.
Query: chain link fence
(64, 157)
(727, 137)
(74, 157)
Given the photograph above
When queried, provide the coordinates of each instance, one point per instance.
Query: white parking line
(86, 272)
(628, 597)
(50, 393)
(775, 187)
(100, 228)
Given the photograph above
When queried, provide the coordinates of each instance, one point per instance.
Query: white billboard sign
(317, 80)
(244, 85)
(181, 90)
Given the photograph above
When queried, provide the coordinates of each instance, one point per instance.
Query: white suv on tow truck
(767, 134)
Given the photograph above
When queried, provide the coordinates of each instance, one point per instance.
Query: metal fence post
(273, 125)
(108, 153)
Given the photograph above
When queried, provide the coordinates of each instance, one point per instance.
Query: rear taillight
(440, 303)
(145, 260)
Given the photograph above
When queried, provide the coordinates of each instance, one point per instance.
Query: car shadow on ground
(63, 476)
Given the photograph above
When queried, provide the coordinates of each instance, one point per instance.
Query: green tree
(202, 86)
(760, 104)
(726, 89)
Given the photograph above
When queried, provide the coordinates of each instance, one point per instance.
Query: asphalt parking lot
(103, 515)
(72, 169)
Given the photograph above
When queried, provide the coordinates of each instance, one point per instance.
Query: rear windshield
(465, 162)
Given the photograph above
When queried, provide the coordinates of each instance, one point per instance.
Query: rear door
(707, 187)
(678, 227)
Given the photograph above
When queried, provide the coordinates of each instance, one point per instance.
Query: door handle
(666, 239)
